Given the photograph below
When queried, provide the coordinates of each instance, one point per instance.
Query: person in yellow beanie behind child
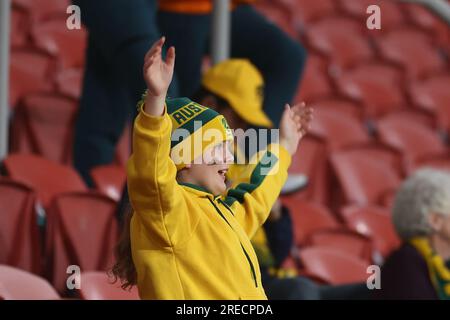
(188, 236)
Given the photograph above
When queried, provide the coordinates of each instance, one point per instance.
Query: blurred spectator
(420, 269)
(120, 33)
(280, 59)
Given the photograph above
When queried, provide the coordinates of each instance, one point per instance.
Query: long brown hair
(124, 269)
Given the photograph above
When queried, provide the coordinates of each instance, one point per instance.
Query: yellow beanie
(195, 128)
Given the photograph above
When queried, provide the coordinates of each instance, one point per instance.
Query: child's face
(210, 173)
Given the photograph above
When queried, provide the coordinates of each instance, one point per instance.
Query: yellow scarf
(438, 271)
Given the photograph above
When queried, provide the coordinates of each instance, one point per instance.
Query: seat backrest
(334, 266)
(413, 50)
(278, 15)
(373, 222)
(425, 19)
(82, 231)
(69, 82)
(315, 83)
(433, 95)
(25, 80)
(123, 148)
(339, 105)
(97, 285)
(16, 284)
(387, 155)
(66, 46)
(410, 115)
(19, 233)
(43, 9)
(371, 84)
(19, 27)
(109, 180)
(364, 180)
(312, 162)
(46, 122)
(339, 130)
(343, 240)
(308, 217)
(341, 39)
(46, 177)
(414, 140)
(305, 11)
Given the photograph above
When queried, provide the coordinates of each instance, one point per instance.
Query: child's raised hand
(294, 125)
(157, 72)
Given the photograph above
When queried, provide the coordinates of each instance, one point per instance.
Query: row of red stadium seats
(22, 285)
(364, 233)
(371, 107)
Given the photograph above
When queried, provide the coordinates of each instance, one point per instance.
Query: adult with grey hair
(420, 268)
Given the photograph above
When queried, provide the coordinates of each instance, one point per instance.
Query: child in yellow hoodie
(189, 237)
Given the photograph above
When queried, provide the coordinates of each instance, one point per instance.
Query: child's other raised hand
(294, 125)
(157, 72)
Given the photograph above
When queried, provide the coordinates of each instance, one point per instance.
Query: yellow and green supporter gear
(438, 271)
(186, 242)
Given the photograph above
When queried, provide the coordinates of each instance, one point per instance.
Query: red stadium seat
(375, 223)
(384, 154)
(391, 13)
(43, 9)
(16, 284)
(416, 141)
(69, 82)
(412, 50)
(19, 234)
(123, 148)
(67, 46)
(421, 117)
(341, 106)
(425, 19)
(308, 218)
(278, 15)
(315, 83)
(333, 266)
(46, 177)
(98, 286)
(346, 241)
(24, 79)
(341, 40)
(312, 162)
(338, 130)
(363, 178)
(109, 180)
(305, 11)
(19, 28)
(43, 124)
(376, 86)
(433, 95)
(82, 231)
(389, 157)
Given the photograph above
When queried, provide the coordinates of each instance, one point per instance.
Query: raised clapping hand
(157, 75)
(294, 125)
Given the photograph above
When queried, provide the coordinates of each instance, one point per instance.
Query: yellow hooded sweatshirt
(186, 242)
